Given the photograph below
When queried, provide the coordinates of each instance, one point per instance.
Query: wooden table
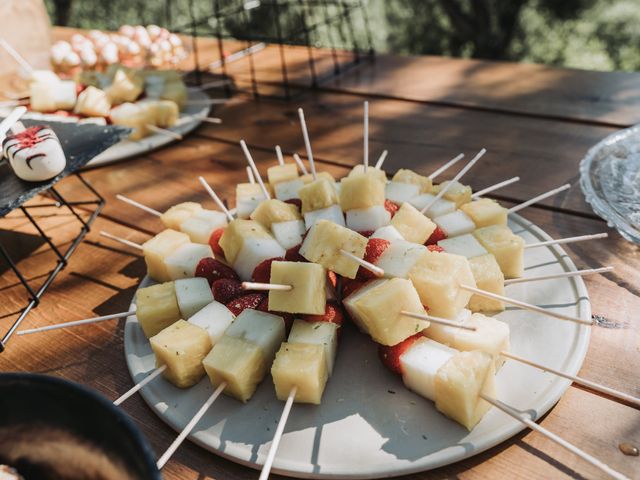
(535, 121)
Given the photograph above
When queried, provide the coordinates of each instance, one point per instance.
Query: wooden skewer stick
(553, 437)
(252, 164)
(10, 120)
(301, 166)
(190, 426)
(366, 136)
(539, 197)
(579, 380)
(76, 323)
(307, 143)
(266, 468)
(438, 320)
(215, 198)
(525, 306)
(577, 273)
(139, 385)
(560, 241)
(138, 205)
(279, 155)
(381, 159)
(201, 118)
(164, 131)
(250, 176)
(363, 263)
(265, 286)
(121, 240)
(492, 188)
(447, 165)
(444, 190)
(19, 59)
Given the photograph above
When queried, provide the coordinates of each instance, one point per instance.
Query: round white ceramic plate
(369, 425)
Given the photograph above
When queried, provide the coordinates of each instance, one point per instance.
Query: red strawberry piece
(250, 300)
(332, 278)
(213, 270)
(214, 242)
(437, 235)
(262, 273)
(225, 289)
(375, 248)
(435, 248)
(366, 233)
(287, 317)
(294, 201)
(350, 286)
(391, 207)
(293, 255)
(332, 314)
(390, 356)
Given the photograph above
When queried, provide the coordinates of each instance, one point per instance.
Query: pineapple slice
(192, 295)
(215, 318)
(93, 102)
(301, 365)
(182, 347)
(457, 193)
(202, 224)
(248, 197)
(465, 245)
(488, 277)
(323, 243)
(361, 191)
(485, 212)
(412, 178)
(157, 308)
(377, 310)
(235, 234)
(163, 113)
(376, 173)
(274, 211)
(437, 278)
(458, 386)
(132, 116)
(282, 173)
(317, 333)
(183, 261)
(317, 195)
(176, 215)
(308, 178)
(309, 287)
(157, 249)
(412, 225)
(507, 247)
(125, 87)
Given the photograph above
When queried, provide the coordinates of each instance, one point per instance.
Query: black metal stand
(61, 202)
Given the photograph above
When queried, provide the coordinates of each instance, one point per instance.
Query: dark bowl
(55, 429)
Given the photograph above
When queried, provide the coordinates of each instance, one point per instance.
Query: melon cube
(183, 261)
(412, 178)
(253, 252)
(378, 311)
(376, 173)
(288, 234)
(485, 212)
(93, 102)
(420, 365)
(317, 195)
(399, 192)
(214, 318)
(332, 214)
(201, 225)
(371, 218)
(507, 247)
(157, 308)
(302, 366)
(132, 116)
(437, 278)
(248, 197)
(399, 258)
(273, 210)
(308, 293)
(282, 173)
(362, 191)
(181, 347)
(157, 249)
(49, 96)
(460, 382)
(465, 245)
(490, 278)
(178, 214)
(441, 207)
(192, 295)
(236, 232)
(389, 233)
(288, 190)
(317, 333)
(412, 225)
(456, 193)
(323, 244)
(126, 86)
(455, 223)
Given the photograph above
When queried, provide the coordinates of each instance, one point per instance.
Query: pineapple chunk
(301, 365)
(317, 195)
(158, 248)
(437, 278)
(308, 178)
(248, 197)
(125, 87)
(157, 308)
(485, 212)
(361, 191)
(459, 383)
(377, 310)
(181, 347)
(132, 116)
(488, 277)
(163, 113)
(457, 193)
(409, 176)
(176, 215)
(282, 173)
(317, 333)
(309, 287)
(192, 295)
(236, 233)
(412, 225)
(323, 243)
(93, 102)
(274, 211)
(202, 224)
(507, 247)
(376, 173)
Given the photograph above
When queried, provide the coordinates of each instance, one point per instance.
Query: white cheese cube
(192, 294)
(201, 225)
(288, 234)
(399, 258)
(288, 190)
(332, 213)
(441, 207)
(455, 223)
(372, 218)
(420, 365)
(215, 318)
(399, 192)
(317, 333)
(466, 245)
(253, 252)
(183, 262)
(388, 232)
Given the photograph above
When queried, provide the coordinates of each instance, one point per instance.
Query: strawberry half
(225, 289)
(293, 255)
(366, 233)
(332, 314)
(391, 207)
(250, 300)
(262, 273)
(390, 356)
(213, 270)
(375, 248)
(435, 248)
(437, 235)
(214, 241)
